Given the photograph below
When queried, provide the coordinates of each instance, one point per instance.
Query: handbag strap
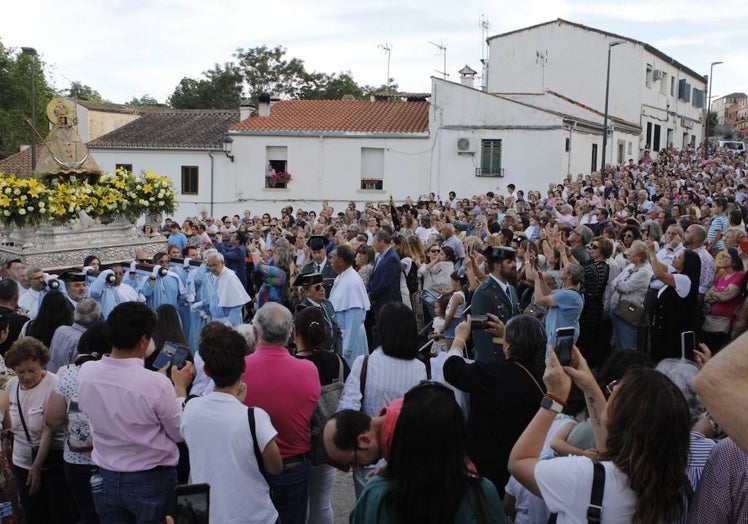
(341, 370)
(20, 412)
(255, 445)
(595, 508)
(362, 379)
(542, 391)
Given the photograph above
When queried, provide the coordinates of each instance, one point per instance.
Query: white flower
(22, 211)
(6, 213)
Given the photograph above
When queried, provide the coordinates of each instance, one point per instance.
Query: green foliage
(145, 101)
(267, 71)
(81, 91)
(15, 99)
(264, 70)
(220, 89)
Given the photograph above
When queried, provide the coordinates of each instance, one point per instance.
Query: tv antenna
(442, 47)
(387, 49)
(541, 57)
(484, 25)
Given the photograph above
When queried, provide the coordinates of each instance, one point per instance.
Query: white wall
(326, 168)
(170, 163)
(576, 67)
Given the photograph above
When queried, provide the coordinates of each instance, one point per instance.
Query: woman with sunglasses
(427, 479)
(628, 234)
(435, 276)
(642, 434)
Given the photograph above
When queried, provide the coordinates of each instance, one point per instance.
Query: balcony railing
(495, 173)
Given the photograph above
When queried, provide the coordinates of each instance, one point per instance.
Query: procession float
(68, 209)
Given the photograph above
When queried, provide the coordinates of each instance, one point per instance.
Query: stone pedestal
(53, 247)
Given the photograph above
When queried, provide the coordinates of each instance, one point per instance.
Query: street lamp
(611, 45)
(32, 53)
(709, 105)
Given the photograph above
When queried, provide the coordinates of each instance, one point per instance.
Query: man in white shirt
(32, 298)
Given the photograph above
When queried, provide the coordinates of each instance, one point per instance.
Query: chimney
(245, 110)
(263, 102)
(467, 76)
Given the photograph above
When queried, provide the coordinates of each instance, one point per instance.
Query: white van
(735, 146)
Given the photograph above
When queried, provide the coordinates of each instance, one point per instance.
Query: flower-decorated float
(67, 209)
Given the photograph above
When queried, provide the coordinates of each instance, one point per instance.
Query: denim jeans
(140, 497)
(625, 334)
(78, 477)
(290, 492)
(51, 503)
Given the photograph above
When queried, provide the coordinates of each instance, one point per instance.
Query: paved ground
(343, 496)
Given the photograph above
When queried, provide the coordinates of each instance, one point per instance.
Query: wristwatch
(549, 403)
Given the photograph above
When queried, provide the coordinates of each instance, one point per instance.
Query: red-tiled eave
(341, 116)
(19, 163)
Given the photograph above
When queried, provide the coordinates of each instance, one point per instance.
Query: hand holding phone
(563, 345)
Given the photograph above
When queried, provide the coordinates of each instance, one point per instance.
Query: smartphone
(478, 322)
(563, 345)
(172, 352)
(192, 503)
(687, 344)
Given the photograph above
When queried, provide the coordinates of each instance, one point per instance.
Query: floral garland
(30, 201)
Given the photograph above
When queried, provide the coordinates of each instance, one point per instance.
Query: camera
(111, 279)
(478, 322)
(53, 283)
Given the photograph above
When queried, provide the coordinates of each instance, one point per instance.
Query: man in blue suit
(384, 283)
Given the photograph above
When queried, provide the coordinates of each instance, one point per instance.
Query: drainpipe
(210, 154)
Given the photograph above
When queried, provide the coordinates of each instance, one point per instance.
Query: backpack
(411, 278)
(327, 405)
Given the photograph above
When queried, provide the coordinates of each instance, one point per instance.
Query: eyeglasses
(318, 287)
(434, 250)
(144, 260)
(628, 235)
(594, 246)
(119, 274)
(164, 261)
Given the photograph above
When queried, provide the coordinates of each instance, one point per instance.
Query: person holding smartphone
(564, 305)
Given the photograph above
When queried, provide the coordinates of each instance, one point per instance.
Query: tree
(145, 101)
(220, 89)
(15, 99)
(267, 71)
(321, 86)
(81, 91)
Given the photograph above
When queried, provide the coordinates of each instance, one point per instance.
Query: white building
(664, 97)
(484, 141)
(186, 145)
(335, 150)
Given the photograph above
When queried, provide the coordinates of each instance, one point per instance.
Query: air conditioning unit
(658, 74)
(466, 145)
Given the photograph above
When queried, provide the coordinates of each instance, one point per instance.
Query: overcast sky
(126, 48)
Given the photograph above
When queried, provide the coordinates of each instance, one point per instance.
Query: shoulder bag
(630, 312)
(54, 458)
(327, 405)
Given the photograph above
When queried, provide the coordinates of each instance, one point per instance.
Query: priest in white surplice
(351, 302)
(230, 296)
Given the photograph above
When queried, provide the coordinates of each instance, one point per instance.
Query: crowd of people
(420, 343)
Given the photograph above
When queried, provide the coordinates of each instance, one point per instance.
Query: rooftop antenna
(387, 49)
(484, 25)
(541, 57)
(442, 47)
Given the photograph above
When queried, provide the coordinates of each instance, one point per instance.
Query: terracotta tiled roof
(341, 116)
(19, 163)
(171, 129)
(111, 107)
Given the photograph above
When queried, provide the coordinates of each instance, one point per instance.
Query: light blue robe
(204, 283)
(351, 322)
